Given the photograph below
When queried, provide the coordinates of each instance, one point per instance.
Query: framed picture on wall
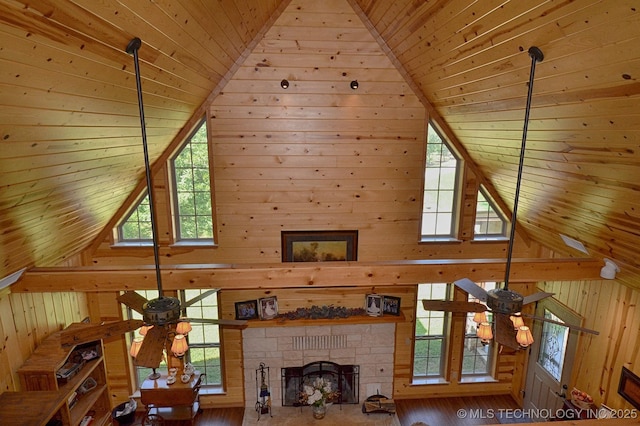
(391, 305)
(268, 307)
(247, 310)
(373, 305)
(629, 387)
(319, 246)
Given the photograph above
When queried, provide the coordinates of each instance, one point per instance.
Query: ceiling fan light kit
(162, 315)
(506, 304)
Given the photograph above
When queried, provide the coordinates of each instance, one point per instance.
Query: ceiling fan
(505, 304)
(161, 315)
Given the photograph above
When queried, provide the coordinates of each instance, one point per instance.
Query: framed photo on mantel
(319, 246)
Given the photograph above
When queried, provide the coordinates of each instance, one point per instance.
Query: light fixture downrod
(132, 49)
(536, 56)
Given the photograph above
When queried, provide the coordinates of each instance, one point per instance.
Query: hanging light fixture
(183, 327)
(517, 321)
(179, 347)
(144, 329)
(485, 334)
(135, 347)
(524, 337)
(480, 317)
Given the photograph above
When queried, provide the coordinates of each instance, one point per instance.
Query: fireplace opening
(347, 378)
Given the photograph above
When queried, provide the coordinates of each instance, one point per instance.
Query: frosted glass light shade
(135, 346)
(517, 321)
(479, 317)
(524, 337)
(484, 332)
(183, 327)
(179, 347)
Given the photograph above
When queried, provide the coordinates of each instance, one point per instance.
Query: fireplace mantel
(356, 319)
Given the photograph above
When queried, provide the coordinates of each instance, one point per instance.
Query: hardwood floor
(433, 412)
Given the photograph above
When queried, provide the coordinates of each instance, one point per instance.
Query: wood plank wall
(612, 309)
(25, 320)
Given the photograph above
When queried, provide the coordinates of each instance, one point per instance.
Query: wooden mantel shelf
(308, 275)
(352, 320)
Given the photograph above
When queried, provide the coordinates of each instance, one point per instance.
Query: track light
(284, 83)
(354, 84)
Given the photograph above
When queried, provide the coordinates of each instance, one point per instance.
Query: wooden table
(178, 401)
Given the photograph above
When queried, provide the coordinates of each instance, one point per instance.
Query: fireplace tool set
(263, 404)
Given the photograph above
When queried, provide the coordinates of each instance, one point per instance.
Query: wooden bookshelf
(83, 393)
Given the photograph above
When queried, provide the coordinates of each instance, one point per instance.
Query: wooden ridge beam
(281, 275)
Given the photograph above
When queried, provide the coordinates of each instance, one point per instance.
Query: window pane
(440, 187)
(137, 225)
(553, 345)
(192, 184)
(428, 359)
(489, 223)
(477, 357)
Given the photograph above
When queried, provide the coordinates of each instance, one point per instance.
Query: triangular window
(490, 222)
(136, 226)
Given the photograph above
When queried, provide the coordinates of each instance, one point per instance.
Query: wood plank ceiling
(69, 127)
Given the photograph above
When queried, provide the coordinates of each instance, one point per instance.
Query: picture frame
(268, 307)
(319, 246)
(629, 387)
(373, 305)
(391, 305)
(247, 310)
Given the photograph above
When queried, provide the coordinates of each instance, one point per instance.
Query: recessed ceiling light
(284, 84)
(354, 84)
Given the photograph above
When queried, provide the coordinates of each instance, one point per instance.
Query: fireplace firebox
(347, 378)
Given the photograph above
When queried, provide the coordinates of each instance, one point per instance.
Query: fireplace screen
(347, 378)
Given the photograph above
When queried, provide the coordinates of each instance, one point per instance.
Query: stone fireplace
(369, 347)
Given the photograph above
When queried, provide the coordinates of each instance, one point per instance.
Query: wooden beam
(281, 275)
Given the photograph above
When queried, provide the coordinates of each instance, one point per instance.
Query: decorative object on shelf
(247, 310)
(319, 246)
(268, 307)
(391, 305)
(322, 312)
(263, 403)
(373, 305)
(318, 393)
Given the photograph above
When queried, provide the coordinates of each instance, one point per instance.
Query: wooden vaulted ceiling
(70, 130)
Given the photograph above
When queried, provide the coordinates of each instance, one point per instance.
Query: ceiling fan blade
(132, 300)
(571, 326)
(472, 288)
(535, 297)
(198, 298)
(505, 333)
(453, 306)
(78, 334)
(150, 354)
(224, 322)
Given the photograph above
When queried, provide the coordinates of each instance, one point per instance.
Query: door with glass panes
(551, 357)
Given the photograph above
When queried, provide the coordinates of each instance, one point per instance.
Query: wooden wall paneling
(10, 353)
(23, 324)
